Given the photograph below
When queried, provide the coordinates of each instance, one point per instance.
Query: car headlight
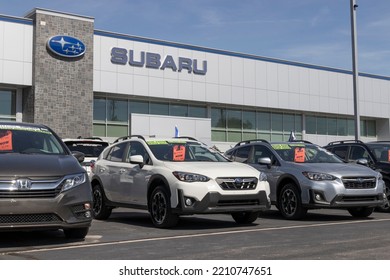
(262, 177)
(72, 181)
(316, 176)
(190, 177)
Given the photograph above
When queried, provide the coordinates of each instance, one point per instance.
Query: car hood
(214, 169)
(336, 169)
(38, 165)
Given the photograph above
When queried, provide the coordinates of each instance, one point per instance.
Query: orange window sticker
(179, 152)
(388, 155)
(6, 141)
(299, 154)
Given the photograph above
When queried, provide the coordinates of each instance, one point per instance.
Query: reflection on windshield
(28, 140)
(185, 151)
(303, 153)
(381, 152)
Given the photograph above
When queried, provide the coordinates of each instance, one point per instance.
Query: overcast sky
(308, 31)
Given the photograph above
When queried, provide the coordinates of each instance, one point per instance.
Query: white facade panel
(16, 53)
(249, 96)
(237, 72)
(261, 75)
(164, 126)
(293, 79)
(185, 90)
(225, 94)
(171, 88)
(249, 73)
(282, 78)
(225, 71)
(199, 91)
(272, 76)
(125, 84)
(304, 80)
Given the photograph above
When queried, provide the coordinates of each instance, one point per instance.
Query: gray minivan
(42, 185)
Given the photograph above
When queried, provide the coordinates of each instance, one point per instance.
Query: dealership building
(56, 69)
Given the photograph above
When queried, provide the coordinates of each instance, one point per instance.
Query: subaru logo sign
(66, 46)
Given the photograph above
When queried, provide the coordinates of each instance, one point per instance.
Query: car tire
(100, 210)
(290, 203)
(245, 217)
(361, 212)
(386, 206)
(160, 209)
(76, 233)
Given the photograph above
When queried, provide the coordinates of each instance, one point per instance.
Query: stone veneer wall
(62, 90)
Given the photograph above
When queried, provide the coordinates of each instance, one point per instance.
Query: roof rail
(303, 141)
(345, 141)
(128, 137)
(187, 137)
(251, 141)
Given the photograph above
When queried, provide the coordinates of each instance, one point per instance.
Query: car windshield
(28, 140)
(88, 148)
(182, 151)
(381, 151)
(304, 153)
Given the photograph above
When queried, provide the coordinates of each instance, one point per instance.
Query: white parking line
(78, 246)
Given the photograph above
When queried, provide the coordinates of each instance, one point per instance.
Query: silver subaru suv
(305, 176)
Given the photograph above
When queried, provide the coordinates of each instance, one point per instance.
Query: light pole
(355, 72)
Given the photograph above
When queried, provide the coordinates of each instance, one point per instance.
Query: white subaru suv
(173, 177)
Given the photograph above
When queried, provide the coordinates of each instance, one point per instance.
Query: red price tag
(299, 154)
(6, 141)
(179, 152)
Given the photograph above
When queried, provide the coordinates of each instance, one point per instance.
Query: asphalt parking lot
(128, 234)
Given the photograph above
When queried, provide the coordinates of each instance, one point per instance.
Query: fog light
(88, 214)
(318, 197)
(87, 206)
(188, 202)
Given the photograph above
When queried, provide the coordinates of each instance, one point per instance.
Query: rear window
(88, 148)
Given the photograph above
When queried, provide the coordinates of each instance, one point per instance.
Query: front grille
(359, 182)
(237, 183)
(35, 187)
(29, 219)
(359, 198)
(30, 193)
(237, 202)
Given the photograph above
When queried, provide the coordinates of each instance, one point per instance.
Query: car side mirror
(79, 156)
(264, 161)
(137, 159)
(362, 161)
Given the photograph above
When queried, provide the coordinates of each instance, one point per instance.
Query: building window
(238, 125)
(7, 105)
(111, 116)
(338, 126)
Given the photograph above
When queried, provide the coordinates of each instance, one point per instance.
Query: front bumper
(345, 201)
(215, 202)
(66, 210)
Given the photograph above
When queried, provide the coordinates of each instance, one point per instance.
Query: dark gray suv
(42, 185)
(305, 176)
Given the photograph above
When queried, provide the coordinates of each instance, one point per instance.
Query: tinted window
(260, 151)
(88, 148)
(116, 152)
(137, 148)
(242, 154)
(358, 152)
(183, 151)
(341, 152)
(28, 140)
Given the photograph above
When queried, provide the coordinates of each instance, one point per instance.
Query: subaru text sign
(154, 60)
(66, 46)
